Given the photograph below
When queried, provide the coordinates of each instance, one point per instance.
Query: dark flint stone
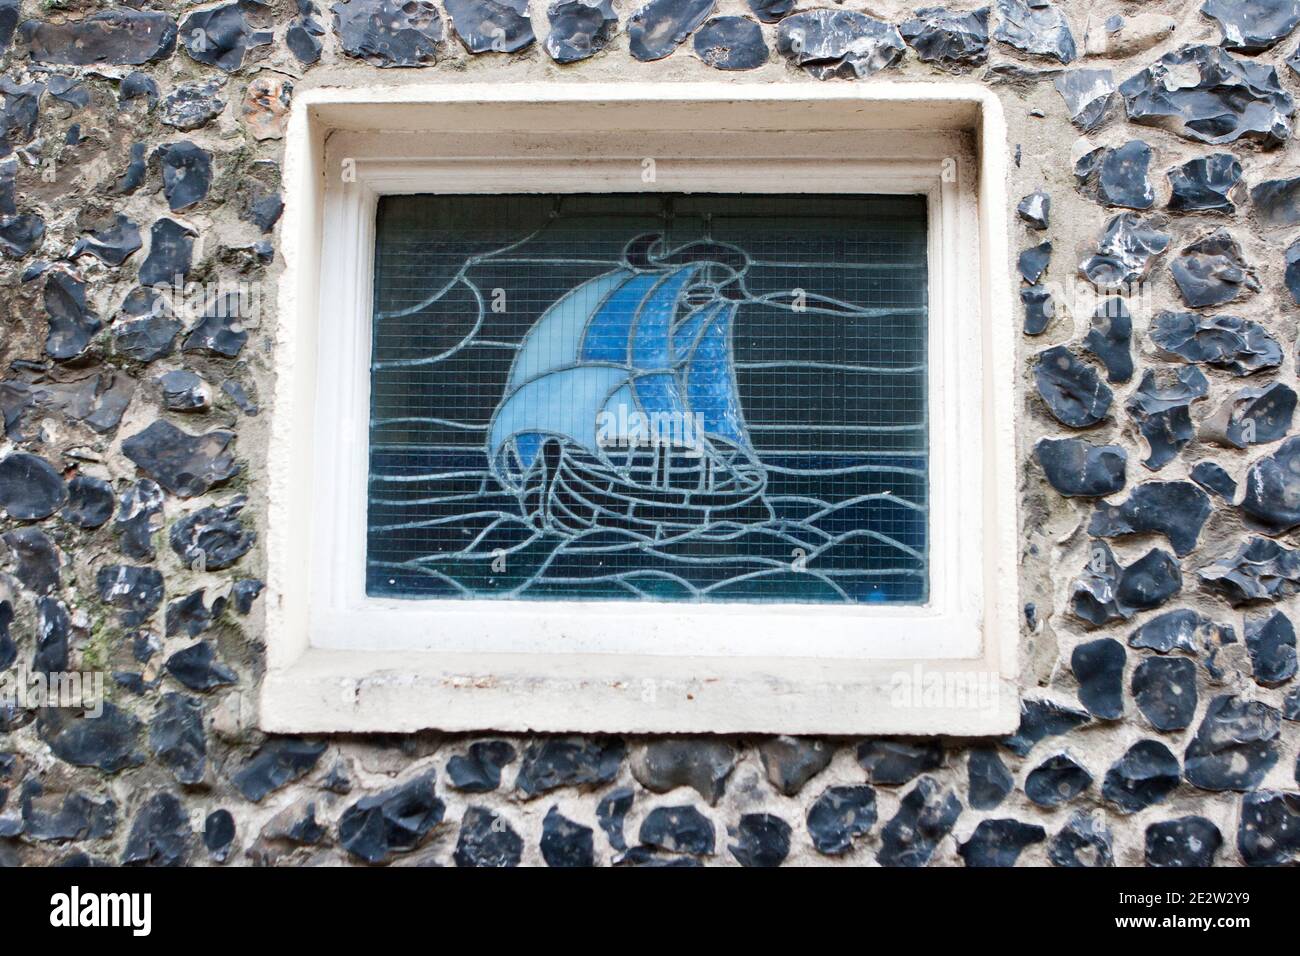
(1205, 184)
(925, 816)
(1165, 691)
(1271, 501)
(143, 646)
(700, 763)
(479, 769)
(1147, 774)
(1082, 842)
(90, 502)
(1119, 176)
(69, 91)
(731, 43)
(74, 816)
(30, 488)
(161, 833)
(36, 559)
(133, 178)
(1163, 414)
(19, 113)
(1106, 591)
(955, 40)
(1056, 780)
(264, 211)
(1036, 210)
(244, 592)
(1292, 276)
(192, 105)
(1124, 252)
(611, 813)
(1040, 309)
(565, 843)
(186, 172)
(1176, 509)
(19, 235)
(569, 762)
(486, 840)
(53, 626)
(1211, 271)
(1040, 719)
(72, 323)
(8, 185)
(1271, 642)
(213, 535)
(1072, 390)
(1269, 833)
(198, 669)
(1224, 342)
(117, 36)
(8, 22)
(661, 26)
(1111, 339)
(139, 506)
(278, 762)
(999, 842)
(1215, 480)
(183, 391)
(190, 616)
(388, 34)
(1036, 27)
(894, 762)
(1233, 748)
(1099, 668)
(97, 400)
(839, 816)
(678, 830)
(762, 840)
(1277, 201)
(1184, 842)
(579, 29)
(647, 856)
(176, 737)
(220, 36)
(184, 464)
(220, 331)
(136, 86)
(1033, 262)
(771, 11)
(301, 39)
(135, 592)
(107, 742)
(484, 26)
(1261, 570)
(1231, 99)
(989, 780)
(791, 762)
(132, 682)
(1290, 704)
(838, 44)
(1252, 416)
(1252, 26)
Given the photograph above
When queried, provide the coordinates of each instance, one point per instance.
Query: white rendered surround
(340, 661)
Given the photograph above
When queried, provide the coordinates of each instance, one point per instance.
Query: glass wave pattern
(648, 397)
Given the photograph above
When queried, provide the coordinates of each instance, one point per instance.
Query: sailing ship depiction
(621, 409)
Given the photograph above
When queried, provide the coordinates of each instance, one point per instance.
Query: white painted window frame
(341, 661)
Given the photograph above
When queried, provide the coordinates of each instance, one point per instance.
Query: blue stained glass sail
(648, 397)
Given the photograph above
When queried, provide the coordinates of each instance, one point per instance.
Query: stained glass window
(650, 397)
